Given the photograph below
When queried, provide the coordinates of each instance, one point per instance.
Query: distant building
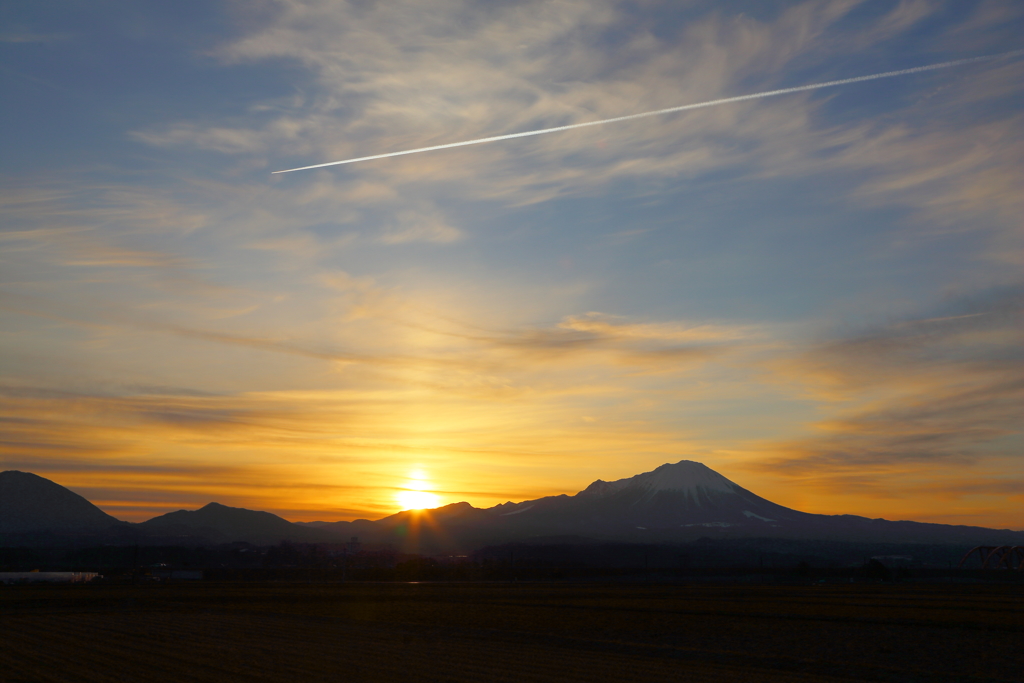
(354, 546)
(894, 560)
(178, 574)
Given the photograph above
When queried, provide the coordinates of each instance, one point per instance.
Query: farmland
(511, 632)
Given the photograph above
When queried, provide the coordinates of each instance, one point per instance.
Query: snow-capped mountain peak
(685, 475)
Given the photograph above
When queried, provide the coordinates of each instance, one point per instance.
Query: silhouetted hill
(31, 504)
(222, 524)
(428, 531)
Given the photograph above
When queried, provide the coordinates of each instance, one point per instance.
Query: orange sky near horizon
(329, 476)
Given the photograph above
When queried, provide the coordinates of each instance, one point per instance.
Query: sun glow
(416, 494)
(416, 500)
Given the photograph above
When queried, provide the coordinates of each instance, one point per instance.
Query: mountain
(216, 523)
(31, 504)
(675, 503)
(36, 510)
(683, 495)
(688, 500)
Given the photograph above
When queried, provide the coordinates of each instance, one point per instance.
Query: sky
(818, 295)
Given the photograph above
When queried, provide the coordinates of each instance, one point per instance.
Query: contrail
(671, 110)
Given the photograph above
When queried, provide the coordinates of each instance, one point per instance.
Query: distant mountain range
(35, 509)
(675, 503)
(216, 523)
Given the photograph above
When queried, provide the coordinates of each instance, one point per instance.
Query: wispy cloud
(217, 139)
(514, 70)
(508, 69)
(420, 226)
(920, 402)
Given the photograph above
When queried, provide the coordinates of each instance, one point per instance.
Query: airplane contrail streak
(671, 110)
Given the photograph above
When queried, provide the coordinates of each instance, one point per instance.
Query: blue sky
(817, 294)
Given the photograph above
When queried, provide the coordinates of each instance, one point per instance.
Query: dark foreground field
(511, 632)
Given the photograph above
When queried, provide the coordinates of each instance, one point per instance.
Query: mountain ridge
(221, 523)
(675, 502)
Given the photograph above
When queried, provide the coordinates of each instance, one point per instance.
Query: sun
(416, 500)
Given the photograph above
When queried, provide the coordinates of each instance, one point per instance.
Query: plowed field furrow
(840, 643)
(104, 651)
(195, 647)
(111, 654)
(963, 620)
(944, 599)
(117, 661)
(961, 611)
(518, 633)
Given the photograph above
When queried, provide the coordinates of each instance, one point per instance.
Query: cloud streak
(922, 404)
(673, 110)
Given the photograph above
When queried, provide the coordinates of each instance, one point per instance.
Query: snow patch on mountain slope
(516, 512)
(686, 476)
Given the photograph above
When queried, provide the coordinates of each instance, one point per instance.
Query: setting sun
(416, 500)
